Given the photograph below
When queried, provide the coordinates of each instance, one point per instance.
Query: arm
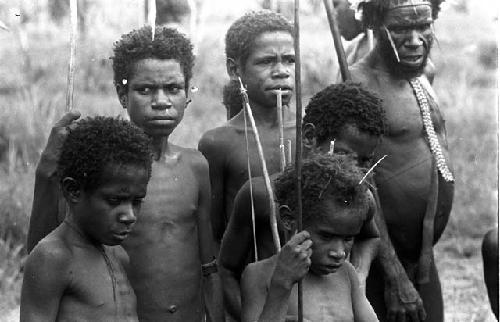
(212, 292)
(48, 210)
(235, 247)
(215, 157)
(271, 305)
(401, 297)
(366, 245)
(362, 309)
(45, 280)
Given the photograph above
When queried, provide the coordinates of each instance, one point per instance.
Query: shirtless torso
(91, 281)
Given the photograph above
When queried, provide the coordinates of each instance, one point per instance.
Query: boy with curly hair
(260, 52)
(171, 249)
(77, 271)
(335, 204)
(346, 113)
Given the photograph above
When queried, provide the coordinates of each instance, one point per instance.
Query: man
(415, 180)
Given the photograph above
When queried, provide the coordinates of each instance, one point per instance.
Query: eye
(113, 201)
(137, 202)
(348, 239)
(174, 89)
(144, 90)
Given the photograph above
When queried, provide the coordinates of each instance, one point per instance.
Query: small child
(335, 205)
(75, 273)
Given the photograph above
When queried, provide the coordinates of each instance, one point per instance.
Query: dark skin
(179, 233)
(77, 270)
(237, 246)
(489, 252)
(404, 177)
(317, 256)
(269, 66)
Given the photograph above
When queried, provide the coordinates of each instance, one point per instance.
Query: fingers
(413, 314)
(68, 118)
(421, 313)
(401, 316)
(299, 238)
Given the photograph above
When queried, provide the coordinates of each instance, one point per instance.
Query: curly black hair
(241, 35)
(374, 11)
(334, 176)
(97, 142)
(231, 98)
(347, 103)
(137, 44)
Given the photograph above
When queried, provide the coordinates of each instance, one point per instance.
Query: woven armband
(209, 268)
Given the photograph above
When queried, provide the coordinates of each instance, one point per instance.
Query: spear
(298, 142)
(279, 110)
(72, 54)
(337, 41)
(152, 17)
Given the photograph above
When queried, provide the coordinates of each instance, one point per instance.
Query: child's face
(156, 96)
(106, 214)
(333, 235)
(270, 66)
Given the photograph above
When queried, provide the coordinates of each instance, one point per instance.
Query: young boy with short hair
(76, 272)
(260, 52)
(346, 113)
(335, 204)
(170, 249)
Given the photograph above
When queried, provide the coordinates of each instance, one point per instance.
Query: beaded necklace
(435, 147)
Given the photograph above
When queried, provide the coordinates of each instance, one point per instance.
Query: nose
(415, 38)
(161, 100)
(281, 70)
(337, 251)
(127, 215)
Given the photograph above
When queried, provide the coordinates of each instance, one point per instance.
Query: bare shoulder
(120, 254)
(259, 273)
(51, 254)
(217, 138)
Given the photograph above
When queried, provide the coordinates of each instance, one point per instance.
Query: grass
(32, 99)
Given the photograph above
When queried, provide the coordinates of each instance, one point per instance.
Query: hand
(403, 301)
(59, 133)
(362, 281)
(293, 260)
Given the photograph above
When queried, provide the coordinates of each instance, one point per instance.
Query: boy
(259, 50)
(171, 247)
(75, 273)
(346, 113)
(335, 205)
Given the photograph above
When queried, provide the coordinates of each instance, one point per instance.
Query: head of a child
(152, 77)
(334, 206)
(348, 114)
(104, 169)
(260, 50)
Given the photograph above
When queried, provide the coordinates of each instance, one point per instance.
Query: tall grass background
(32, 92)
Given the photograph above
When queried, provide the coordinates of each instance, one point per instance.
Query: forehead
(351, 139)
(150, 69)
(338, 219)
(271, 42)
(409, 15)
(130, 177)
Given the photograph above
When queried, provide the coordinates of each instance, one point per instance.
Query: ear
(287, 219)
(71, 190)
(309, 136)
(122, 91)
(233, 69)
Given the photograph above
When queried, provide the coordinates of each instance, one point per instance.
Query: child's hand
(59, 133)
(293, 260)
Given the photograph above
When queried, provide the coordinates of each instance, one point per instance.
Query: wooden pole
(152, 17)
(72, 54)
(337, 41)
(298, 149)
(279, 111)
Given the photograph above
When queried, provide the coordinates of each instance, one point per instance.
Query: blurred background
(34, 55)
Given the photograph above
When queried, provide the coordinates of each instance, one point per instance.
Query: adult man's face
(406, 38)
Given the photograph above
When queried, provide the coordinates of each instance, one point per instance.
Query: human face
(107, 213)
(270, 66)
(351, 139)
(156, 95)
(410, 29)
(332, 234)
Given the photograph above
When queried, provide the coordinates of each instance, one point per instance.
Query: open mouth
(121, 235)
(412, 59)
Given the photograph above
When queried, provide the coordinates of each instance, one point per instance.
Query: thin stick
(339, 49)
(279, 110)
(369, 35)
(289, 152)
(267, 180)
(72, 54)
(371, 169)
(298, 150)
(152, 17)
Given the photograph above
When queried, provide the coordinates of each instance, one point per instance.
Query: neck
(79, 235)
(264, 116)
(161, 147)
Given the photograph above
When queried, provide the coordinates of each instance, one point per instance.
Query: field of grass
(32, 91)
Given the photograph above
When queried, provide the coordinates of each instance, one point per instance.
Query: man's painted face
(332, 234)
(407, 37)
(107, 213)
(270, 66)
(156, 95)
